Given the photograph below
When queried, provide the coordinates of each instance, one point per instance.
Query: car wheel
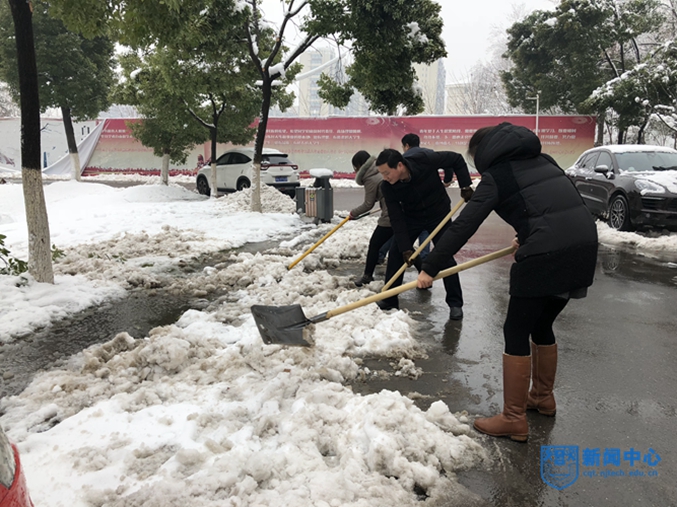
(243, 183)
(203, 186)
(619, 214)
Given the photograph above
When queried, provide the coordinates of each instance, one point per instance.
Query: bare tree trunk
(267, 92)
(164, 172)
(214, 193)
(640, 134)
(76, 170)
(39, 253)
(599, 141)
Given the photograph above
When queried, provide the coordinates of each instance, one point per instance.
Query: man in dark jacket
(417, 201)
(555, 261)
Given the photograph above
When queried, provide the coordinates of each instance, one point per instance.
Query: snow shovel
(288, 325)
(423, 245)
(329, 234)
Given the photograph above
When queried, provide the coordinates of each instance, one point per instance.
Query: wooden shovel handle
(319, 242)
(367, 213)
(423, 245)
(412, 285)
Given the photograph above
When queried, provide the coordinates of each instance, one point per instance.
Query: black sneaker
(365, 280)
(385, 306)
(455, 313)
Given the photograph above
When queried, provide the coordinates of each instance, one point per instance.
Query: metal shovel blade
(282, 325)
(288, 325)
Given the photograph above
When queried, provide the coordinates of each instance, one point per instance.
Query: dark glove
(416, 262)
(466, 193)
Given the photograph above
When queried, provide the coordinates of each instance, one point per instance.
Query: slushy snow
(201, 412)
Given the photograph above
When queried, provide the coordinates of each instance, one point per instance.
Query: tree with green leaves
(212, 71)
(647, 91)
(8, 106)
(567, 53)
(39, 253)
(167, 127)
(199, 74)
(385, 40)
(385, 37)
(75, 74)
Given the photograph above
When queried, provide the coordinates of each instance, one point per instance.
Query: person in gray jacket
(555, 261)
(369, 177)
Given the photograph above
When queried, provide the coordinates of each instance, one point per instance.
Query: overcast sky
(470, 30)
(472, 27)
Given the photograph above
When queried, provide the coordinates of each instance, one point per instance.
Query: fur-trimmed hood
(362, 172)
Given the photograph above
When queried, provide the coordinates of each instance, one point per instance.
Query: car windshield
(638, 161)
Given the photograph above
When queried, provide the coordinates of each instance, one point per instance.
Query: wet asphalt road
(616, 386)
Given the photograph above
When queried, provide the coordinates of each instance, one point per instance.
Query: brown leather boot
(543, 370)
(513, 421)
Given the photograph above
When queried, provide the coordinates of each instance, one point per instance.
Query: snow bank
(201, 412)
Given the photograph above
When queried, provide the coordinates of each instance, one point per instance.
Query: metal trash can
(317, 201)
(300, 199)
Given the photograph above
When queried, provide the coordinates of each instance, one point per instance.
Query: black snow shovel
(288, 325)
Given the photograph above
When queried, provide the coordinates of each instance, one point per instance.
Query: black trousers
(452, 284)
(379, 237)
(530, 317)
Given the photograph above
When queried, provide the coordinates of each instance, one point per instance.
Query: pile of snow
(334, 182)
(188, 417)
(121, 238)
(660, 245)
(26, 305)
(201, 412)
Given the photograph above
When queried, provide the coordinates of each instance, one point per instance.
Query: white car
(234, 171)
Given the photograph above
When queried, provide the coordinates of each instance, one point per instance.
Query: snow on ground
(182, 178)
(113, 235)
(660, 245)
(201, 412)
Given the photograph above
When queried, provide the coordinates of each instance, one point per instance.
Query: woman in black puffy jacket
(555, 260)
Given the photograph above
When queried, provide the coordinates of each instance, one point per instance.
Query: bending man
(417, 201)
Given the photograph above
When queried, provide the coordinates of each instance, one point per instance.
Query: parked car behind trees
(234, 171)
(629, 185)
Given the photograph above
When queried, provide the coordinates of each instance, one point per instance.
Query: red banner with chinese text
(331, 142)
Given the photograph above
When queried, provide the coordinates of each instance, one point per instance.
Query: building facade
(431, 79)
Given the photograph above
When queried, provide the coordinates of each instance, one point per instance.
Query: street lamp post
(537, 99)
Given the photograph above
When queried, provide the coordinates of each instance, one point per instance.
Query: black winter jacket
(423, 200)
(527, 189)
